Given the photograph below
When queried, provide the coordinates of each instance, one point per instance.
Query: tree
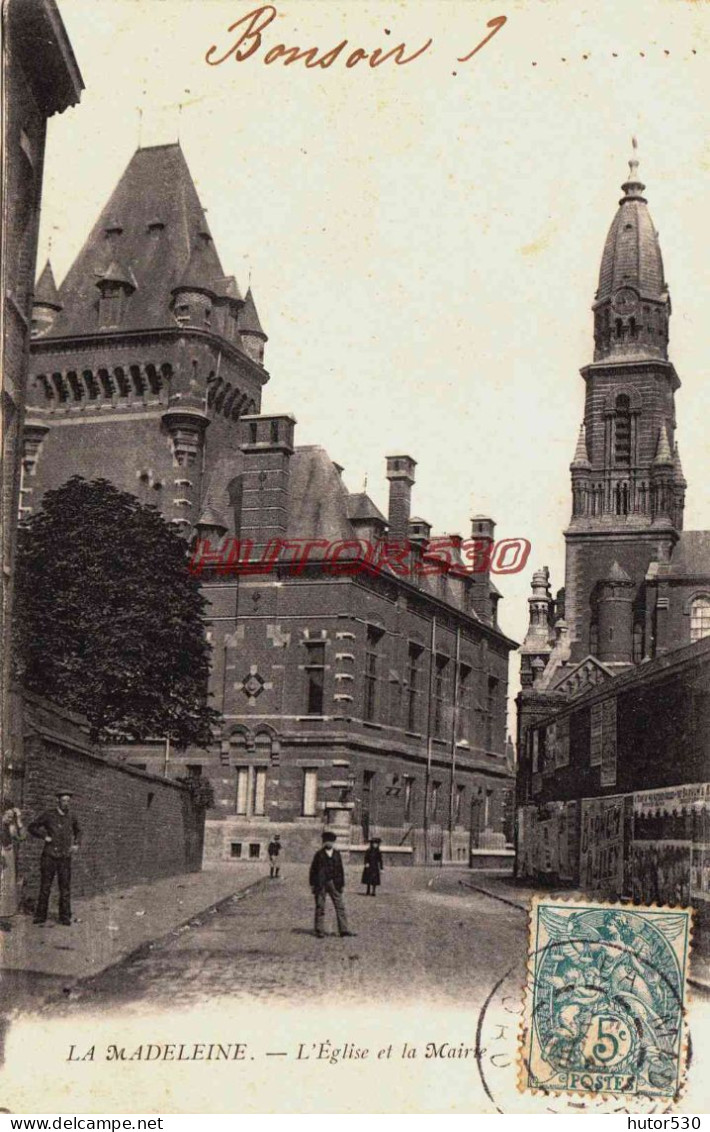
(109, 620)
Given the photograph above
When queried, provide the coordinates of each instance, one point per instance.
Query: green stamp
(605, 999)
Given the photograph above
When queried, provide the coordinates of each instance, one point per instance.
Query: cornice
(49, 344)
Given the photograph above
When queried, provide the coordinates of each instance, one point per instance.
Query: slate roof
(46, 288)
(691, 554)
(361, 507)
(632, 253)
(156, 184)
(249, 320)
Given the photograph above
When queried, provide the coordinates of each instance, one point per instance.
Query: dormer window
(110, 304)
(182, 313)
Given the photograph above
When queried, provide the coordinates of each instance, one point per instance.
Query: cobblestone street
(424, 937)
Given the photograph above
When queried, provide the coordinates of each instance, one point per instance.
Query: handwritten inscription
(245, 39)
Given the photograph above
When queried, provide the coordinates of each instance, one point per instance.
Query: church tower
(627, 482)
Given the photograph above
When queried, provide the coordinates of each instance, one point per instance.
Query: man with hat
(273, 851)
(61, 834)
(327, 877)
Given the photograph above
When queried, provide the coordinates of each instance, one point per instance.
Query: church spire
(632, 305)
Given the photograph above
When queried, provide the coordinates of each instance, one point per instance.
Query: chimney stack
(400, 473)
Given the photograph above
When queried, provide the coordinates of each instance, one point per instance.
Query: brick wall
(136, 827)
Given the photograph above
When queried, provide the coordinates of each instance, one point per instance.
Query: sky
(423, 241)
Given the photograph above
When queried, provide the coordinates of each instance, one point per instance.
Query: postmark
(605, 999)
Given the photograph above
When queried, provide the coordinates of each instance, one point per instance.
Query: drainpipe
(427, 776)
(454, 730)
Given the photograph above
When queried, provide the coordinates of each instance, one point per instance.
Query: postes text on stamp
(605, 999)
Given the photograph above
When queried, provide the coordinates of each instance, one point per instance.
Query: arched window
(622, 431)
(700, 618)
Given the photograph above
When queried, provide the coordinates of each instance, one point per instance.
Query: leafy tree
(108, 619)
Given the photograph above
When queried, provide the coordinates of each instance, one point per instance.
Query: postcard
(356, 557)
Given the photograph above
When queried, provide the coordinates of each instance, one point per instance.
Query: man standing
(326, 877)
(60, 831)
(273, 851)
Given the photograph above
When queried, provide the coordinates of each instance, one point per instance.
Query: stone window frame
(697, 596)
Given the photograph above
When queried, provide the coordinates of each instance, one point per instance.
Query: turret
(581, 470)
(251, 332)
(46, 302)
(194, 294)
(615, 617)
(663, 480)
(227, 304)
(539, 639)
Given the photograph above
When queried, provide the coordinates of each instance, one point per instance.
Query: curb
(693, 981)
(146, 947)
(494, 896)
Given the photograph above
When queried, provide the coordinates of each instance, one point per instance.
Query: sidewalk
(518, 895)
(113, 924)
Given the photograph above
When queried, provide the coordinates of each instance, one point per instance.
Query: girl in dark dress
(373, 867)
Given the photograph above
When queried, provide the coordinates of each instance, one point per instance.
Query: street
(424, 937)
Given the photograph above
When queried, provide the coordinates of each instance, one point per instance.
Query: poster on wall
(601, 850)
(699, 873)
(550, 760)
(527, 817)
(562, 745)
(595, 749)
(661, 872)
(692, 796)
(568, 841)
(608, 762)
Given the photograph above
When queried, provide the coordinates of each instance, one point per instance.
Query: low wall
(135, 826)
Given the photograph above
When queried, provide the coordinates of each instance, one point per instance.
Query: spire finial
(633, 162)
(632, 186)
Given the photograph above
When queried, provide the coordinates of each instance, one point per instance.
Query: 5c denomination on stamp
(605, 999)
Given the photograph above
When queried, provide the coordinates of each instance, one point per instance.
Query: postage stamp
(605, 999)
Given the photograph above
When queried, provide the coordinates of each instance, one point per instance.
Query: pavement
(109, 926)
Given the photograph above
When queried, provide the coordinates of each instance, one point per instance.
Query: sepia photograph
(356, 557)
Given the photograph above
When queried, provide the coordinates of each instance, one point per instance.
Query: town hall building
(366, 698)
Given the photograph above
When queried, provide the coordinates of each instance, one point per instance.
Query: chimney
(400, 473)
(483, 536)
(419, 534)
(267, 444)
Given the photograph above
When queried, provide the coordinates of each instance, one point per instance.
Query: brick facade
(148, 370)
(136, 827)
